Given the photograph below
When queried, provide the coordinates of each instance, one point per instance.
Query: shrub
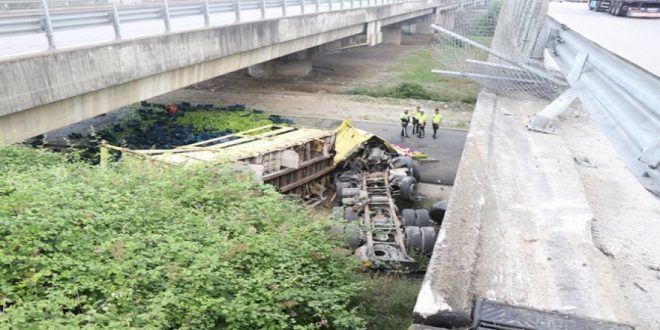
(404, 90)
(140, 246)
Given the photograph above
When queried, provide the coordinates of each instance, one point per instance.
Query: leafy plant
(139, 246)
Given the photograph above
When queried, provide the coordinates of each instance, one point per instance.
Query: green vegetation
(132, 245)
(415, 80)
(222, 120)
(389, 302)
(400, 91)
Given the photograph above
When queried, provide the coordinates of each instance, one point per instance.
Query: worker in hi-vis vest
(436, 120)
(415, 120)
(422, 124)
(405, 119)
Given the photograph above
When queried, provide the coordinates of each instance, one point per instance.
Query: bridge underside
(56, 89)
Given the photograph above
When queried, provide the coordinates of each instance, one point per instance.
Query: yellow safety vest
(423, 119)
(405, 117)
(417, 115)
(437, 118)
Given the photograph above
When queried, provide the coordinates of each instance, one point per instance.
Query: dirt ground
(321, 93)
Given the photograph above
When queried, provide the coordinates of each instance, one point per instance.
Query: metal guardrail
(49, 22)
(627, 96)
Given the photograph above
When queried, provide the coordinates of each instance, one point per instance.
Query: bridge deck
(634, 39)
(554, 222)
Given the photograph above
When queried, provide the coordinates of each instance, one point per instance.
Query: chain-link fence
(500, 45)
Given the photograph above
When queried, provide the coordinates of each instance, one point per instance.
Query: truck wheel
(423, 218)
(438, 211)
(350, 214)
(413, 238)
(409, 217)
(428, 239)
(408, 188)
(416, 172)
(352, 235)
(402, 161)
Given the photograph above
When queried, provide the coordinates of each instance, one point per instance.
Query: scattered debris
(584, 161)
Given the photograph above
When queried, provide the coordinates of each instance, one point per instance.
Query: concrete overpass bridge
(48, 90)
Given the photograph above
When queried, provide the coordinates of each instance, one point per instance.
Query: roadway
(634, 39)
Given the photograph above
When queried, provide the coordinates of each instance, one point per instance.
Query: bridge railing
(624, 96)
(18, 17)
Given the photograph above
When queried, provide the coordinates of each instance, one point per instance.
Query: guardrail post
(342, 4)
(238, 10)
(48, 26)
(166, 16)
(263, 9)
(302, 6)
(283, 7)
(207, 13)
(352, 4)
(116, 24)
(330, 5)
(318, 5)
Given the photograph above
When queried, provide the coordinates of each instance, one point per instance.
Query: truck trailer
(648, 8)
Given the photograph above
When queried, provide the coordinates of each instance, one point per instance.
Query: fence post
(329, 5)
(116, 24)
(263, 9)
(238, 10)
(302, 6)
(318, 5)
(166, 16)
(207, 13)
(48, 25)
(283, 7)
(342, 4)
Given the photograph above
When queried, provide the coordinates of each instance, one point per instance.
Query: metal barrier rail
(49, 22)
(625, 95)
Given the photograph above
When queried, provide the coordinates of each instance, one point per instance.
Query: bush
(404, 90)
(138, 246)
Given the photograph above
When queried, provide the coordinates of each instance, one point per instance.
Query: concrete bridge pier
(422, 25)
(391, 35)
(291, 66)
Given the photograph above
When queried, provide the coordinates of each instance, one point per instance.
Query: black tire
(352, 235)
(413, 238)
(416, 172)
(350, 214)
(408, 189)
(339, 192)
(403, 161)
(438, 211)
(409, 217)
(428, 239)
(423, 218)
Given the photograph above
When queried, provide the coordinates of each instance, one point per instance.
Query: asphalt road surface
(444, 152)
(634, 39)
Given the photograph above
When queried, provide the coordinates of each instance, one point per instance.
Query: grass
(389, 301)
(415, 80)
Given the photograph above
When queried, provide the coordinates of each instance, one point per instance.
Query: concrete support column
(391, 35)
(423, 25)
(291, 66)
(447, 19)
(374, 34)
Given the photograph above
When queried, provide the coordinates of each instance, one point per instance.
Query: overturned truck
(369, 177)
(368, 185)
